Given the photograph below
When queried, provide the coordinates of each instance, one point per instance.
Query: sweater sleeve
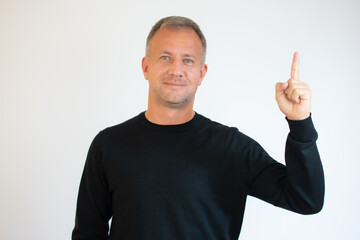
(298, 186)
(94, 201)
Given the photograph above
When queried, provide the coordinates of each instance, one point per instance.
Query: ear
(203, 71)
(145, 67)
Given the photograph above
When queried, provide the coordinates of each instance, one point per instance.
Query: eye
(188, 61)
(165, 58)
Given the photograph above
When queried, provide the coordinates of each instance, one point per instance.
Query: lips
(174, 84)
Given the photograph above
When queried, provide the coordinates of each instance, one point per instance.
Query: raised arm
(298, 186)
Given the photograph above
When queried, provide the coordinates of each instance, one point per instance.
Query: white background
(69, 68)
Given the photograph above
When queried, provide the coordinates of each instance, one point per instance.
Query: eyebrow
(190, 55)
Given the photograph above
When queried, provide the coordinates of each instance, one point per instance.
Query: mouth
(174, 84)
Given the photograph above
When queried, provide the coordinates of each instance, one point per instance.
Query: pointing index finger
(295, 67)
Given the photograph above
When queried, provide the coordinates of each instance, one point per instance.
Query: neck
(169, 116)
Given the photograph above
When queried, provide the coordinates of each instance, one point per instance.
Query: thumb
(280, 88)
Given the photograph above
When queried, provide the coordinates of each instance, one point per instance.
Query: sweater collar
(196, 122)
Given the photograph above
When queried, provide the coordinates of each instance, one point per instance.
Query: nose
(176, 69)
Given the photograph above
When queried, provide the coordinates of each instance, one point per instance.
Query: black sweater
(190, 181)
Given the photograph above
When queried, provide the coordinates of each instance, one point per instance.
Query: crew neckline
(189, 125)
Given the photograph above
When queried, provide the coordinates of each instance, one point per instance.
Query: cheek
(194, 76)
(157, 70)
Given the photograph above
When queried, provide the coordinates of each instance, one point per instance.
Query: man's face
(173, 67)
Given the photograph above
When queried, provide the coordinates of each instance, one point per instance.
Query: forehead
(171, 39)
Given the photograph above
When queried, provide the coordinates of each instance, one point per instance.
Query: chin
(176, 103)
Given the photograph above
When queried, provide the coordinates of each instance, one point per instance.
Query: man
(171, 173)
